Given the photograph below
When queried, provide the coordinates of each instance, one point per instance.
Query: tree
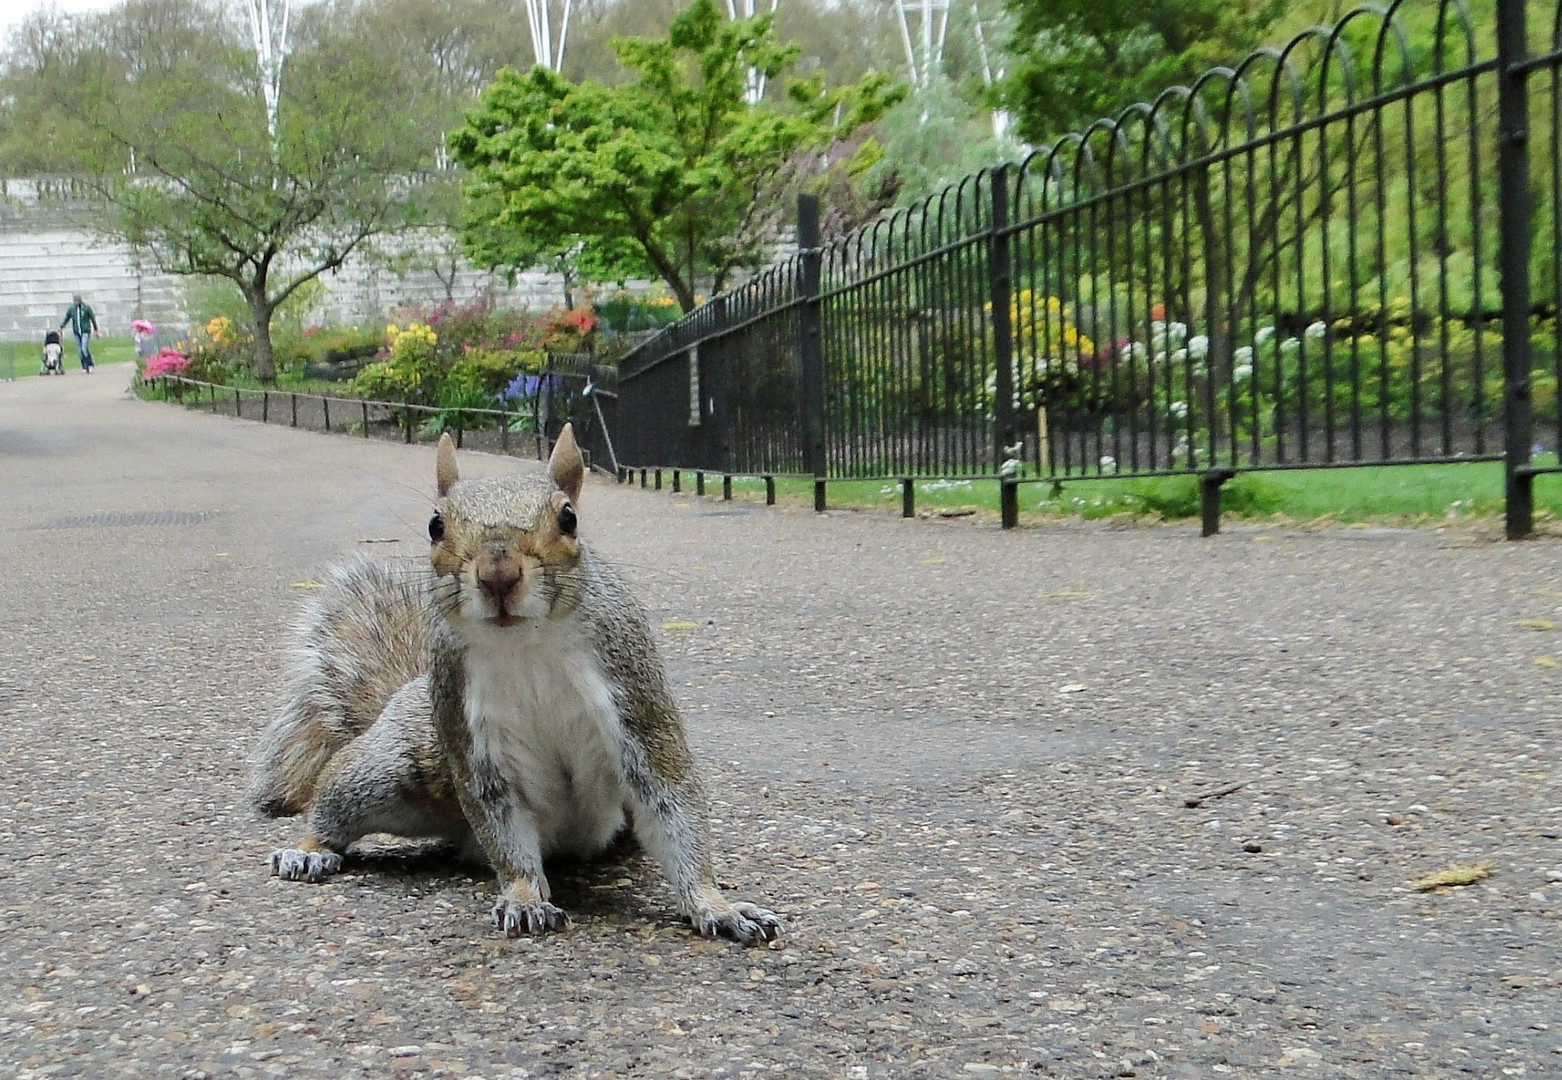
(170, 128)
(1077, 60)
(674, 162)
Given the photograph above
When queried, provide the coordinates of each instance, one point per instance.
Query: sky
(14, 11)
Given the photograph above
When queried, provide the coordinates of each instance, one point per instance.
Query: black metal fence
(572, 388)
(1344, 251)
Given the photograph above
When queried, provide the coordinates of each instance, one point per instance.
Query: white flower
(1176, 331)
(1179, 409)
(1180, 356)
(1198, 345)
(1160, 358)
(1244, 355)
(1010, 467)
(1158, 333)
(1290, 344)
(1242, 372)
(1108, 463)
(1135, 351)
(1317, 330)
(1263, 335)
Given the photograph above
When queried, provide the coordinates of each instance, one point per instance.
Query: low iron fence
(1344, 251)
(571, 389)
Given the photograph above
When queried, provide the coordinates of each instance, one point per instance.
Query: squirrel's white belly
(543, 715)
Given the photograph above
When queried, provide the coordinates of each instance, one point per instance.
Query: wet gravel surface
(958, 762)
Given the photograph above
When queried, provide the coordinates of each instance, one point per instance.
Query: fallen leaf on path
(306, 585)
(1545, 661)
(1454, 876)
(1536, 624)
(679, 625)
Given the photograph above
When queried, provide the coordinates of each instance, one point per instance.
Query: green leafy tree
(673, 164)
(1076, 60)
(169, 127)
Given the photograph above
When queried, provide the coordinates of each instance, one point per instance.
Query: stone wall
(50, 250)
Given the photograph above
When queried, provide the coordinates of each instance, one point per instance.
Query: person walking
(83, 324)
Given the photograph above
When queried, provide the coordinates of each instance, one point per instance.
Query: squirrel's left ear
(566, 466)
(445, 472)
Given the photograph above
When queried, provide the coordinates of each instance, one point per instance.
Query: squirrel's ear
(566, 466)
(445, 472)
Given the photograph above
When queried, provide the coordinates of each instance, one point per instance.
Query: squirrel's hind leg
(375, 784)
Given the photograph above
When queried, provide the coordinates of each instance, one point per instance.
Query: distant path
(955, 759)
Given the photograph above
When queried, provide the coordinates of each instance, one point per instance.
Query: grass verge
(1399, 494)
(19, 359)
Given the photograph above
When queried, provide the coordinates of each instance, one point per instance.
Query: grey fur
(359, 639)
(366, 754)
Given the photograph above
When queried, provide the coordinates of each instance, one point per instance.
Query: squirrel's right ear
(445, 472)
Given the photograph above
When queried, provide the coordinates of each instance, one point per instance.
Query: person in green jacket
(83, 324)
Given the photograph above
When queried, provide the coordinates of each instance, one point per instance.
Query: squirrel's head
(504, 549)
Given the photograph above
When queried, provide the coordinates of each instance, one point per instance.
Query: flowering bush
(166, 362)
(569, 331)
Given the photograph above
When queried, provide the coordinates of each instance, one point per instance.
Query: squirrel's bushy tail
(361, 638)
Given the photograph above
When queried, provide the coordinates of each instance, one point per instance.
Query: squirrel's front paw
(291, 864)
(739, 921)
(517, 917)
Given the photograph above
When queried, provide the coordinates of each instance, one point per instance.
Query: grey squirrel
(513, 702)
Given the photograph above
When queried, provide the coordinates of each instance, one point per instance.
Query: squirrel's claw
(291, 864)
(516, 919)
(741, 922)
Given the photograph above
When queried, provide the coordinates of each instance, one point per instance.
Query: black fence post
(265, 406)
(1513, 208)
(908, 497)
(293, 398)
(325, 408)
(658, 484)
(699, 482)
(726, 487)
(1009, 502)
(677, 481)
(811, 343)
(819, 500)
(1209, 499)
(365, 419)
(770, 490)
(1000, 287)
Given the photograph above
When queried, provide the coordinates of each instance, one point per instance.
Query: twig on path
(1195, 801)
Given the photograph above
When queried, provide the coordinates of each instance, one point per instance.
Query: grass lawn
(1393, 494)
(22, 358)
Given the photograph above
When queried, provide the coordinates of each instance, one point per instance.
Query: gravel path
(956, 760)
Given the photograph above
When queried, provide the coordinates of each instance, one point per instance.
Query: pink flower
(166, 362)
(142, 328)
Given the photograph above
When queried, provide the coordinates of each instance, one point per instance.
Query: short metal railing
(523, 432)
(1345, 251)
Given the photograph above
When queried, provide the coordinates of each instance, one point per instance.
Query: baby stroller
(53, 354)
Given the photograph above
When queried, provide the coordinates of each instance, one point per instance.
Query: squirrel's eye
(567, 520)
(436, 528)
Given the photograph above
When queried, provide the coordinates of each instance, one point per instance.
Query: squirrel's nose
(498, 579)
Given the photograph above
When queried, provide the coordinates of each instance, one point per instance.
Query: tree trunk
(260, 308)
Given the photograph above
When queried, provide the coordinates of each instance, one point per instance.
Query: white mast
(754, 87)
(925, 51)
(268, 31)
(539, 13)
(1002, 120)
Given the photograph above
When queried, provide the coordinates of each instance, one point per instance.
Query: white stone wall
(48, 252)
